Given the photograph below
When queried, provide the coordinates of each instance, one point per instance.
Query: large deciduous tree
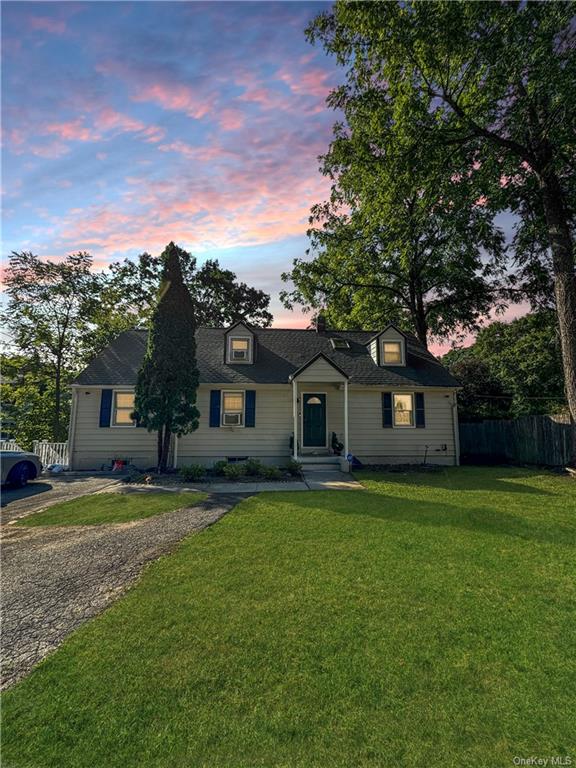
(49, 321)
(389, 247)
(496, 82)
(165, 400)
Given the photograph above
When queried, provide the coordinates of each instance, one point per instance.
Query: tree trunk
(165, 450)
(564, 286)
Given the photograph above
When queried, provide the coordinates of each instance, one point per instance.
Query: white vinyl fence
(51, 453)
(9, 445)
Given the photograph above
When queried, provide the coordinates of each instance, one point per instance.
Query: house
(278, 393)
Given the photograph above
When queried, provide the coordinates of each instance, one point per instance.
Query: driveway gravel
(19, 502)
(55, 579)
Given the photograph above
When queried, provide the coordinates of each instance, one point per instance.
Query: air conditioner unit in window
(232, 419)
(239, 354)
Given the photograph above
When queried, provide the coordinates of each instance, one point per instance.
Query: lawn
(426, 621)
(102, 508)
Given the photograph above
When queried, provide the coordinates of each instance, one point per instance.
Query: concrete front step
(334, 467)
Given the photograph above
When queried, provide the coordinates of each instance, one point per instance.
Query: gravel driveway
(19, 502)
(55, 579)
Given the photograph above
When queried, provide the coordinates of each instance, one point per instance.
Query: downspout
(175, 458)
(455, 429)
(72, 428)
(295, 419)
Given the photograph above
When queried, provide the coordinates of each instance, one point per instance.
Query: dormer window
(392, 352)
(239, 350)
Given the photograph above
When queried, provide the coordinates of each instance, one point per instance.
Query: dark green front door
(314, 421)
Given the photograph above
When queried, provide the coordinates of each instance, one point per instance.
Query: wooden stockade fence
(544, 440)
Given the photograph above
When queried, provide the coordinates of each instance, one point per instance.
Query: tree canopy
(512, 369)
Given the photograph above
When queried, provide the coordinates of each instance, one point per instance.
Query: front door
(314, 421)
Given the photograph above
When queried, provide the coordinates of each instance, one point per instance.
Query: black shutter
(105, 407)
(250, 408)
(387, 420)
(214, 407)
(420, 412)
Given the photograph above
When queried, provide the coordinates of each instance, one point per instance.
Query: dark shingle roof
(279, 353)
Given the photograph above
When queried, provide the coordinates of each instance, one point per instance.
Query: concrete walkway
(57, 578)
(331, 480)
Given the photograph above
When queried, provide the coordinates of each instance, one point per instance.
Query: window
(123, 408)
(392, 352)
(403, 410)
(232, 409)
(239, 350)
(339, 343)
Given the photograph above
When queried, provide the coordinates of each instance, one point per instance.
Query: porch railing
(51, 453)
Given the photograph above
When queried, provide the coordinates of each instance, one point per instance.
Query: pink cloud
(47, 24)
(313, 82)
(180, 98)
(231, 119)
(73, 130)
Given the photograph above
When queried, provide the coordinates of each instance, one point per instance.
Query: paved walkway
(55, 579)
(330, 480)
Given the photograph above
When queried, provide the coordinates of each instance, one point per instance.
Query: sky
(130, 124)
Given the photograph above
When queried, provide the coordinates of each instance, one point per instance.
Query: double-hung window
(122, 410)
(232, 409)
(392, 352)
(239, 350)
(403, 410)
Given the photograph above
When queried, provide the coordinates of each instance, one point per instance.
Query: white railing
(51, 453)
(9, 445)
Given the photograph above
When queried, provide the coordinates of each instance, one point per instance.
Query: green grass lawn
(102, 508)
(426, 621)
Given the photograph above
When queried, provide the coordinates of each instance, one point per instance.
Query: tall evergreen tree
(165, 399)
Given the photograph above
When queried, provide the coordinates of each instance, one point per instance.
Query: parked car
(17, 467)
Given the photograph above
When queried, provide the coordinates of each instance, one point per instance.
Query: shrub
(234, 471)
(254, 467)
(219, 466)
(294, 467)
(192, 472)
(272, 473)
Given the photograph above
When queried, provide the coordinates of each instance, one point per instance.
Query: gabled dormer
(240, 343)
(388, 348)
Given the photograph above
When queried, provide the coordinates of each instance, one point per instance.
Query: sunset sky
(130, 124)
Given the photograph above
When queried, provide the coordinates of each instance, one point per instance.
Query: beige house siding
(93, 446)
(320, 371)
(270, 438)
(374, 444)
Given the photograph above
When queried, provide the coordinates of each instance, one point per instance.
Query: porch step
(322, 460)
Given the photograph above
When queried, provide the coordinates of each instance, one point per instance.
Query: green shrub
(234, 471)
(293, 467)
(272, 473)
(219, 466)
(192, 472)
(254, 467)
